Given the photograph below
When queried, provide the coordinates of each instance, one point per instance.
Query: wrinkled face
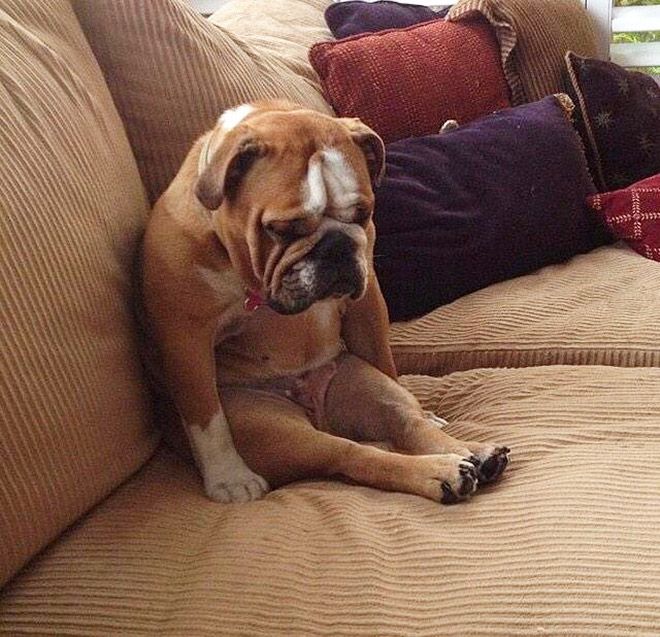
(295, 204)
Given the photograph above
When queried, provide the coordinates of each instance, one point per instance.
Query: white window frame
(611, 19)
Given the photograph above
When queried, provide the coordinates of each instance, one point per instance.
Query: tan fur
(199, 263)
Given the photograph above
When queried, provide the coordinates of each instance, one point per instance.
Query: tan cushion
(601, 308)
(284, 30)
(171, 73)
(534, 36)
(566, 544)
(74, 410)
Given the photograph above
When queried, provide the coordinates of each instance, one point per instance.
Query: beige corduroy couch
(105, 531)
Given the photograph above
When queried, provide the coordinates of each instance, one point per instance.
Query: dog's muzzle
(331, 268)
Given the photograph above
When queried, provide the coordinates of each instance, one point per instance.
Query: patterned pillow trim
(597, 163)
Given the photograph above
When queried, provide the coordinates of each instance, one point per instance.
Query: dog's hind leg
(278, 441)
(362, 403)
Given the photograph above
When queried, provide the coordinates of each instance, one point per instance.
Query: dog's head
(292, 200)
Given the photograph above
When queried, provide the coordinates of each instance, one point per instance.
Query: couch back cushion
(283, 30)
(75, 414)
(172, 72)
(534, 36)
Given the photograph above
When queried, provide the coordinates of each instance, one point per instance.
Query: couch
(105, 530)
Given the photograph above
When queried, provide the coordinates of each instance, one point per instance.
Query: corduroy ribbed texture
(566, 544)
(534, 36)
(601, 308)
(171, 73)
(284, 31)
(74, 411)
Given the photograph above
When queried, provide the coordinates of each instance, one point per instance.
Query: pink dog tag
(253, 300)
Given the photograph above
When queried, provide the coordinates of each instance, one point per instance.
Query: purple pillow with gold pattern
(352, 18)
(618, 117)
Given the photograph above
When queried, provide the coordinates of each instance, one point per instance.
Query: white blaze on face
(315, 199)
(330, 181)
(341, 183)
(234, 116)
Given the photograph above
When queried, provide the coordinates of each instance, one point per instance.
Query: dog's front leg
(189, 365)
(365, 329)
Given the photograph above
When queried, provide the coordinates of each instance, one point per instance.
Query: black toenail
(448, 496)
(466, 487)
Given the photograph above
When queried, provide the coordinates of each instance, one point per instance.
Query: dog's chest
(268, 345)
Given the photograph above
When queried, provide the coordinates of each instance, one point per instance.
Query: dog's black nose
(336, 246)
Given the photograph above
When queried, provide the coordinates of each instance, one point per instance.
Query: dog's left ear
(371, 145)
(221, 175)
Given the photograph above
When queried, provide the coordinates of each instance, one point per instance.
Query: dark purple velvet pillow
(619, 120)
(352, 18)
(497, 198)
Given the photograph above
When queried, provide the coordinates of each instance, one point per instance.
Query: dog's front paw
(490, 462)
(238, 485)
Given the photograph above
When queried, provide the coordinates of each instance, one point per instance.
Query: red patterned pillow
(633, 214)
(407, 82)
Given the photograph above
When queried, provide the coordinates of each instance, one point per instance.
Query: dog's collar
(253, 300)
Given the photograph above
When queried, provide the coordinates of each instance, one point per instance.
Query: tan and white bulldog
(271, 331)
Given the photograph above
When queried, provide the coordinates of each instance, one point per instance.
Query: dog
(268, 323)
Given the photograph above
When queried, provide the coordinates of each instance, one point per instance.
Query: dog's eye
(284, 231)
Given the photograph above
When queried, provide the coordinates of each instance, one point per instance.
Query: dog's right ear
(221, 177)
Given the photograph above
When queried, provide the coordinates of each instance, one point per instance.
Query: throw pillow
(633, 214)
(497, 198)
(352, 18)
(171, 73)
(407, 82)
(619, 120)
(534, 35)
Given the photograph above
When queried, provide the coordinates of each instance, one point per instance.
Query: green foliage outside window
(641, 36)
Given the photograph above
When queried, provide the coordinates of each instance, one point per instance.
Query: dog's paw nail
(448, 495)
(474, 460)
(465, 485)
(226, 492)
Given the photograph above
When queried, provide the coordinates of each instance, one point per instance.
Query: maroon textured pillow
(633, 214)
(618, 117)
(408, 82)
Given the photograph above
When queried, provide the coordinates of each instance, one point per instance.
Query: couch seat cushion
(565, 544)
(600, 308)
